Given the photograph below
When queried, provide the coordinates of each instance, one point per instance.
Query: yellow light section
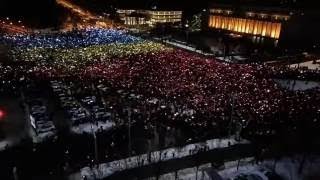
(248, 26)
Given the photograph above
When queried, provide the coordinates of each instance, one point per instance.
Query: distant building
(165, 16)
(149, 17)
(264, 24)
(286, 25)
(257, 23)
(132, 17)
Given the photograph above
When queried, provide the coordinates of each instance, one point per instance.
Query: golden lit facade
(247, 26)
(252, 23)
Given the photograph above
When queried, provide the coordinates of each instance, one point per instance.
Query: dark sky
(26, 7)
(36, 7)
(46, 10)
(30, 11)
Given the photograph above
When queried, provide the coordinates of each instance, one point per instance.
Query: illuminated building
(165, 16)
(256, 23)
(132, 17)
(149, 17)
(285, 24)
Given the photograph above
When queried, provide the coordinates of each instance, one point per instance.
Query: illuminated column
(269, 28)
(278, 30)
(220, 22)
(255, 27)
(251, 27)
(241, 25)
(243, 28)
(247, 26)
(237, 25)
(217, 22)
(227, 23)
(232, 24)
(273, 30)
(264, 28)
(223, 19)
(259, 28)
(212, 21)
(234, 27)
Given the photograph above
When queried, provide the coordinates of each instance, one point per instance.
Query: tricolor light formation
(156, 71)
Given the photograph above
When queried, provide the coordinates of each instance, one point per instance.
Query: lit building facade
(283, 25)
(292, 24)
(132, 17)
(255, 23)
(165, 16)
(149, 17)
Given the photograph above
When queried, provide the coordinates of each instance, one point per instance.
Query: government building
(281, 22)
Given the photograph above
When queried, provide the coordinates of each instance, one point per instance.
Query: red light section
(2, 114)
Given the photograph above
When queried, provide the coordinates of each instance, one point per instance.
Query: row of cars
(82, 112)
(40, 120)
(75, 112)
(97, 111)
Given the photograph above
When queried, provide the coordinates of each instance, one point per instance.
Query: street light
(187, 32)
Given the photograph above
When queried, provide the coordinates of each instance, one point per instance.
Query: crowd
(180, 81)
(72, 39)
(301, 73)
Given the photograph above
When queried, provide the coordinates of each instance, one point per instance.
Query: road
(87, 18)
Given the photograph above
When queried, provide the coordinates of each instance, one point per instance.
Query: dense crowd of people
(301, 73)
(73, 39)
(212, 90)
